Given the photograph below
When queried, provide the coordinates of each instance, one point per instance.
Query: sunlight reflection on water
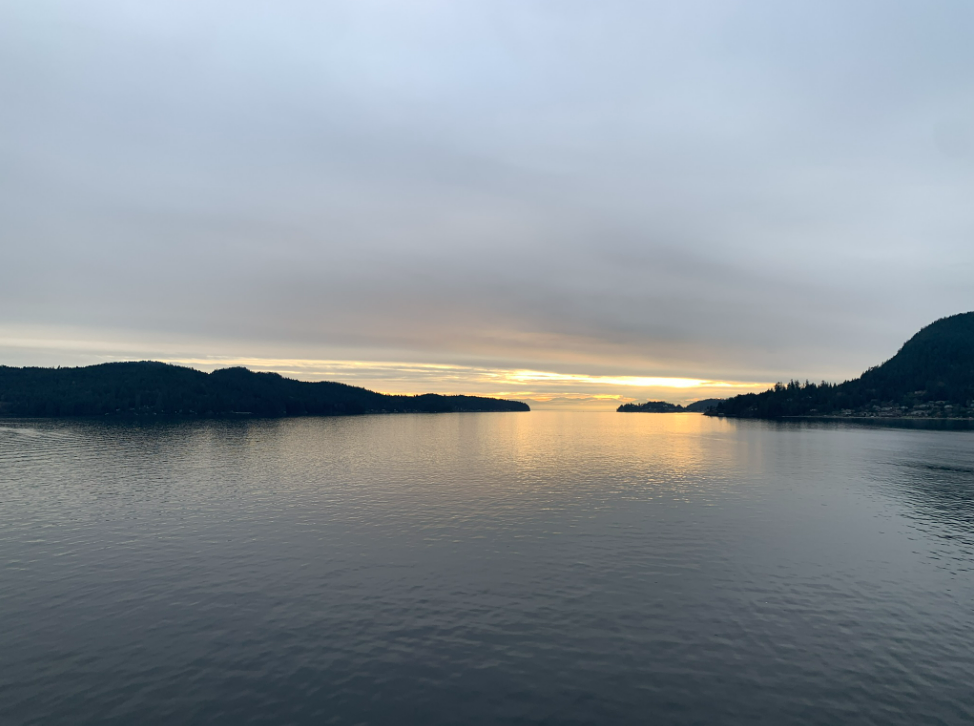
(485, 568)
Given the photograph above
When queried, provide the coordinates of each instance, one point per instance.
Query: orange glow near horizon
(637, 381)
(447, 371)
(546, 388)
(526, 384)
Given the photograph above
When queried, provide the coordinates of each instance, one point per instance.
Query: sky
(570, 203)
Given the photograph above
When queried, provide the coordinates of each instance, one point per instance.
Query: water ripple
(485, 568)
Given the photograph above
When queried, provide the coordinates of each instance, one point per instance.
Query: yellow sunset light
(525, 376)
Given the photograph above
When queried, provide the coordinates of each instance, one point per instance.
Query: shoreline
(886, 418)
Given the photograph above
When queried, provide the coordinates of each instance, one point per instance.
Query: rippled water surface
(534, 568)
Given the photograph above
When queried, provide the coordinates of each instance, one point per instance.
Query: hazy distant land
(932, 376)
(151, 388)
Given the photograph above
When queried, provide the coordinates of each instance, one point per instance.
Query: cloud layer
(712, 190)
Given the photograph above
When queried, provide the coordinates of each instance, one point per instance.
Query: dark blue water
(540, 568)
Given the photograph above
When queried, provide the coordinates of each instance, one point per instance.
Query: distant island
(664, 407)
(932, 376)
(152, 388)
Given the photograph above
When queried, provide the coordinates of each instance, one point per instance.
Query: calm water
(539, 568)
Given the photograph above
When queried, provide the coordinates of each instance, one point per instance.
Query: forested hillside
(932, 375)
(160, 388)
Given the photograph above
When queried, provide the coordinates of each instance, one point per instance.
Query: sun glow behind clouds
(637, 381)
(541, 388)
(395, 371)
(551, 389)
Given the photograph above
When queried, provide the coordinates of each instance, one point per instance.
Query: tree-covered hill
(704, 405)
(650, 407)
(931, 375)
(159, 388)
(664, 407)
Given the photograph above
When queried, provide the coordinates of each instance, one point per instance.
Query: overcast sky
(725, 191)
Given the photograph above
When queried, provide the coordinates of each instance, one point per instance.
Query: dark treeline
(650, 407)
(160, 388)
(664, 407)
(931, 375)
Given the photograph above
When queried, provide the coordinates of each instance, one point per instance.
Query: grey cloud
(723, 190)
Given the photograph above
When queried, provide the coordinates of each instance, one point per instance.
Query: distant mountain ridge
(932, 375)
(149, 387)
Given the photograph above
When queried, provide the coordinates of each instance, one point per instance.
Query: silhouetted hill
(664, 407)
(704, 405)
(159, 388)
(650, 407)
(931, 375)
